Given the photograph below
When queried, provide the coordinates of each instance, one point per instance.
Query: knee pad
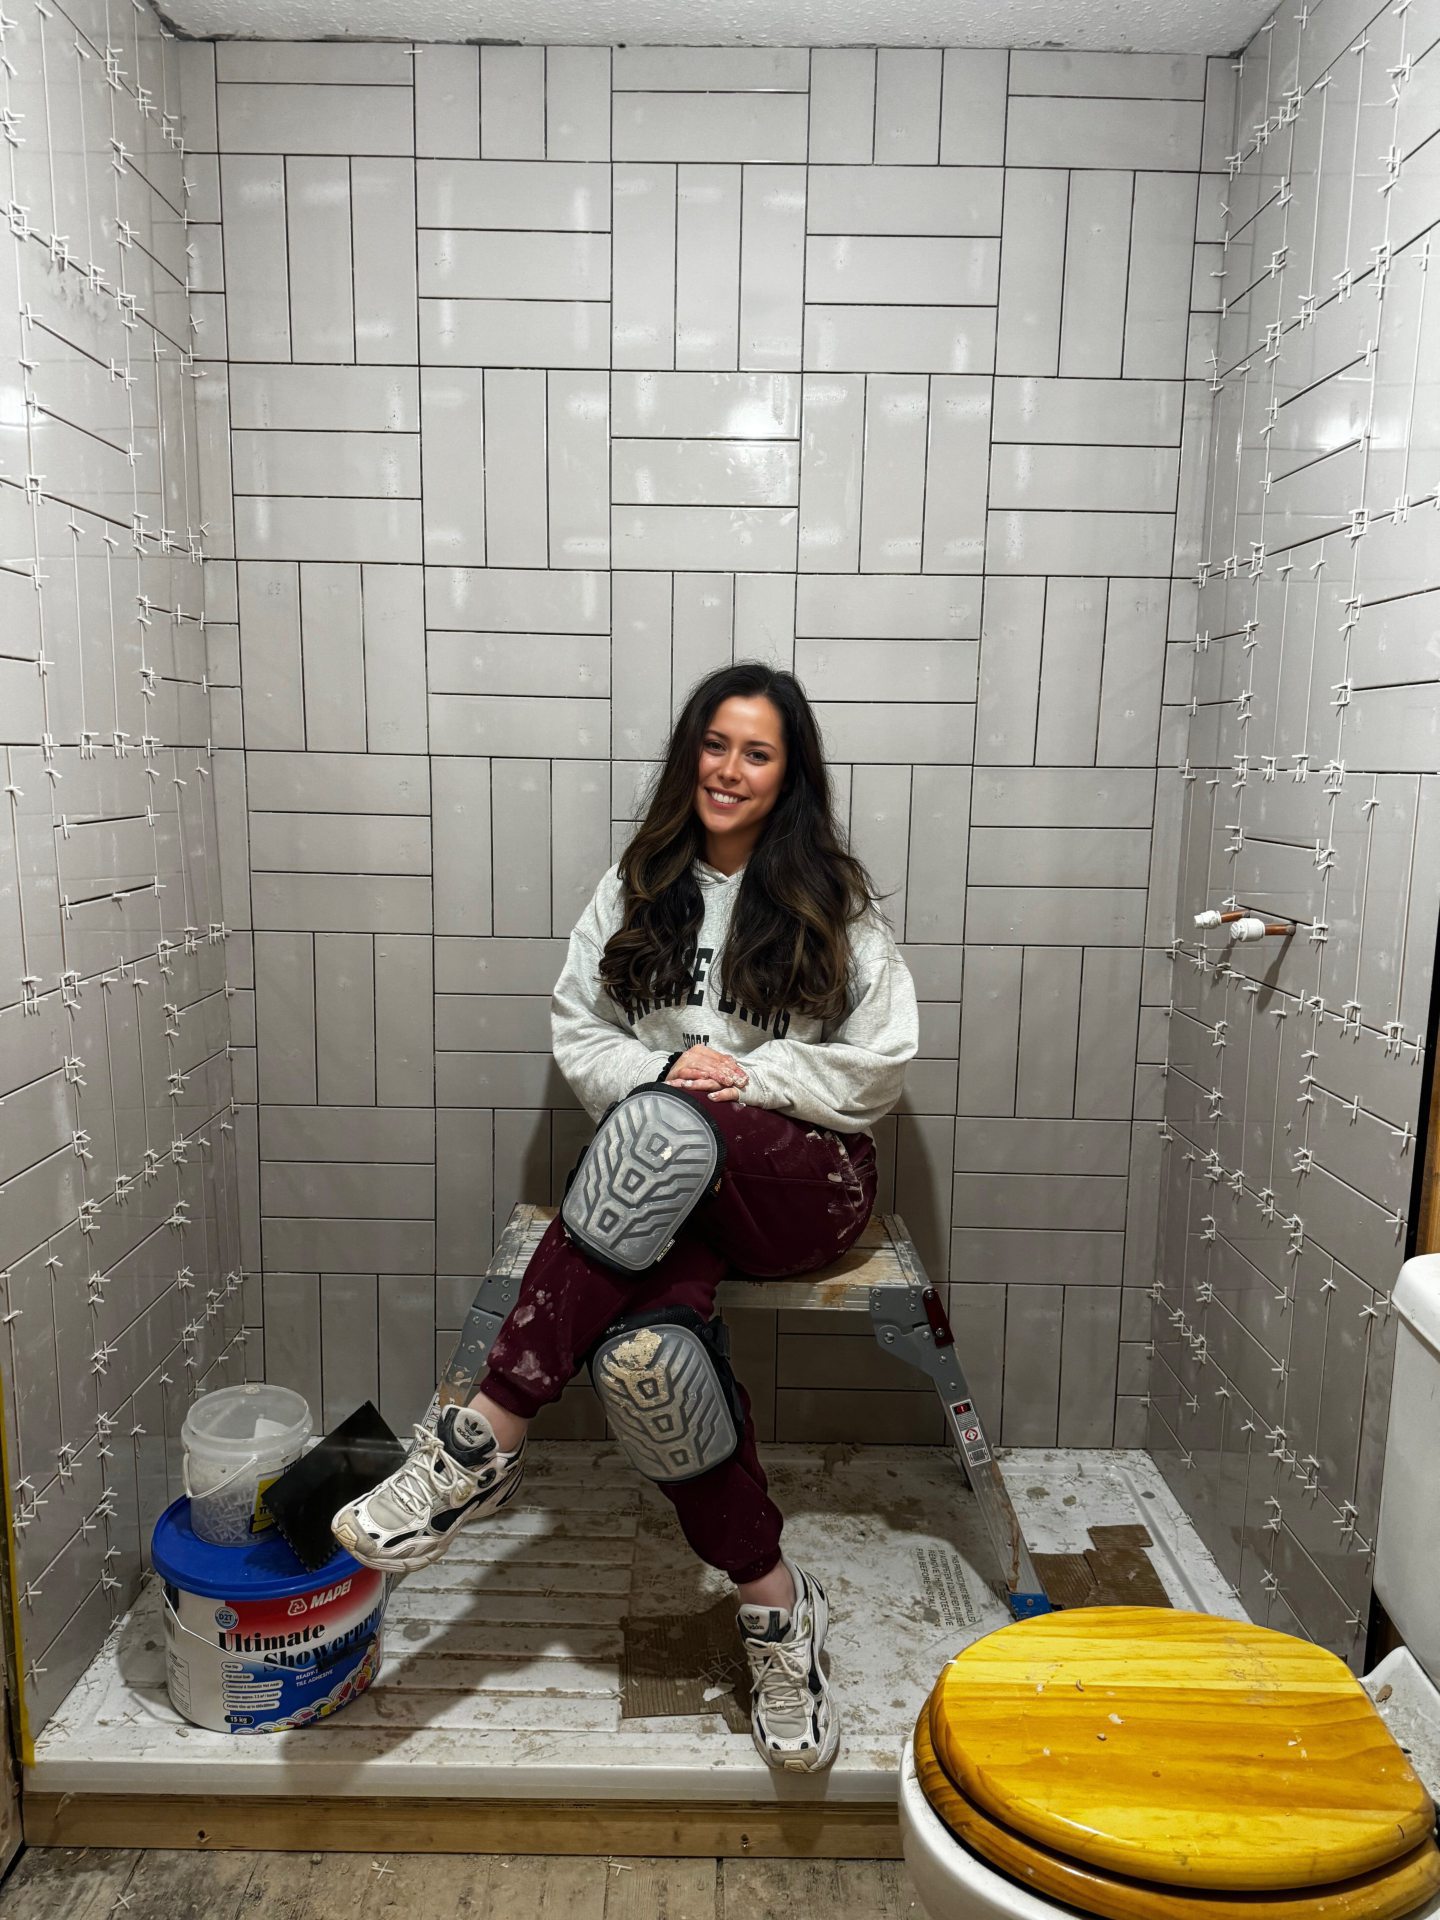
(655, 1156)
(665, 1381)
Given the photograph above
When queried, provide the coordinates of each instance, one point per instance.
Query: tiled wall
(557, 377)
(119, 1236)
(1309, 789)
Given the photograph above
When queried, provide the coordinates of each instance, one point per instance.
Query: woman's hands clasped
(706, 1070)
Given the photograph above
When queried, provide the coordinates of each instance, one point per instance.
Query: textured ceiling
(1147, 26)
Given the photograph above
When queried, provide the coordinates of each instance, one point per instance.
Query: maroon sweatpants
(792, 1198)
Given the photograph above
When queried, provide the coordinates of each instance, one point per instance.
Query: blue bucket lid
(264, 1569)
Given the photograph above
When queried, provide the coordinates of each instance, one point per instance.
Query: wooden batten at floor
(791, 1832)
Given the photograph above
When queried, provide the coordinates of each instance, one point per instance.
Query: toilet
(1149, 1764)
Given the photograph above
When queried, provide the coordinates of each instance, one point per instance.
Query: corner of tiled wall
(1307, 791)
(119, 1235)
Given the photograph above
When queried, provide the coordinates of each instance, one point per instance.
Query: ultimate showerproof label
(264, 1666)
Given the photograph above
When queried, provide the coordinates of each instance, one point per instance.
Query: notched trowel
(356, 1456)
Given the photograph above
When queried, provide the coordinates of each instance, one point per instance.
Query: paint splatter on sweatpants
(793, 1197)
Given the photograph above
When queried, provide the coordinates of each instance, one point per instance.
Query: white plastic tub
(237, 1441)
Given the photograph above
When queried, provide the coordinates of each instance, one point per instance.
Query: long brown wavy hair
(802, 889)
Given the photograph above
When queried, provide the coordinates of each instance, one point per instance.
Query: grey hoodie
(842, 1074)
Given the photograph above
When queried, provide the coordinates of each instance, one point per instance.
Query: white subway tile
(325, 62)
(512, 103)
(832, 445)
(1143, 413)
(881, 733)
(887, 669)
(707, 267)
(712, 69)
(1157, 309)
(577, 454)
(374, 399)
(897, 418)
(710, 126)
(551, 728)
(1032, 271)
(516, 512)
(874, 269)
(314, 119)
(519, 663)
(706, 473)
(900, 608)
(1112, 76)
(252, 193)
(516, 600)
(972, 107)
(551, 196)
(732, 406)
(907, 105)
(377, 465)
(382, 194)
(317, 529)
(842, 104)
(957, 474)
(577, 103)
(514, 333)
(447, 102)
(902, 200)
(452, 452)
(772, 267)
(1097, 266)
(705, 539)
(1079, 542)
(896, 339)
(1119, 479)
(317, 216)
(643, 309)
(468, 265)
(1159, 134)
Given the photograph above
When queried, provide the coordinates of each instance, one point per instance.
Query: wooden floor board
(67, 1883)
(186, 1886)
(839, 1889)
(662, 1890)
(87, 1883)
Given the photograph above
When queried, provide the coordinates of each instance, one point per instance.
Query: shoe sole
(413, 1562)
(826, 1752)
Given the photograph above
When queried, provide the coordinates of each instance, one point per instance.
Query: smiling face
(742, 769)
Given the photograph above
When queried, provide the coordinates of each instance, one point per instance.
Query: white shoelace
(781, 1674)
(414, 1485)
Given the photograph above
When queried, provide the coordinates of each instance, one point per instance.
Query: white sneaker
(792, 1719)
(455, 1474)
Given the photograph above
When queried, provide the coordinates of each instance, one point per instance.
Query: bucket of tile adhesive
(253, 1642)
(237, 1441)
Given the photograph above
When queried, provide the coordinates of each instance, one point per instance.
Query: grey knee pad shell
(669, 1392)
(655, 1156)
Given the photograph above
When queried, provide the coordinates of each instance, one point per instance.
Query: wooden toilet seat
(1176, 1757)
(1386, 1894)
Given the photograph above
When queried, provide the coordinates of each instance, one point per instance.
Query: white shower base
(502, 1672)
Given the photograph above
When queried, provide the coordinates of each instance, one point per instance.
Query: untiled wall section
(1309, 790)
(557, 376)
(119, 1231)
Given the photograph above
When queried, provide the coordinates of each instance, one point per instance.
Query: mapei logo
(296, 1606)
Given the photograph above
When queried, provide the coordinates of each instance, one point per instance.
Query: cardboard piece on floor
(1131, 1536)
(1124, 1577)
(1066, 1578)
(1113, 1572)
(351, 1459)
(686, 1664)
